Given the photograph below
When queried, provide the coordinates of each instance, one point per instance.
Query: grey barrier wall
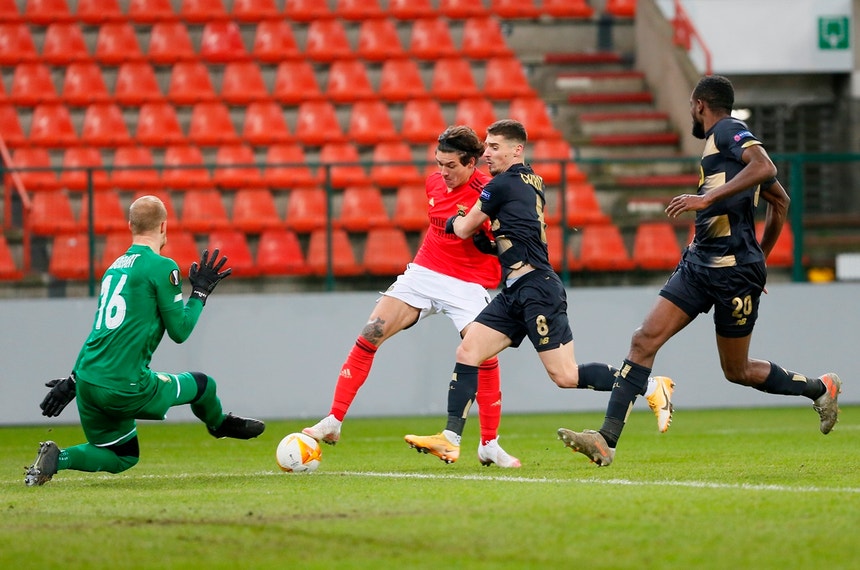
(278, 355)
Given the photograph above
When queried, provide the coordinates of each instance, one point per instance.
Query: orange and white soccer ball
(298, 453)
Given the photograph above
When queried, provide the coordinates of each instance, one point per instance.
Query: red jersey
(446, 253)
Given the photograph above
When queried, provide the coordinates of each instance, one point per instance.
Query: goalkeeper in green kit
(140, 299)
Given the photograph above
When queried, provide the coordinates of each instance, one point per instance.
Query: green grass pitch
(743, 488)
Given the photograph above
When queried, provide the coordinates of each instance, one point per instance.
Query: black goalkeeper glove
(62, 392)
(484, 244)
(205, 276)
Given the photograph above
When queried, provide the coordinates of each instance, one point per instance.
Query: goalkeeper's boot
(491, 452)
(327, 430)
(660, 402)
(45, 466)
(438, 445)
(238, 428)
(590, 443)
(826, 404)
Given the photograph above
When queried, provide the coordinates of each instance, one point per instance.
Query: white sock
(652, 385)
(451, 436)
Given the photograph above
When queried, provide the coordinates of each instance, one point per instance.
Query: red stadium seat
(483, 39)
(35, 158)
(547, 156)
(287, 167)
(370, 123)
(431, 40)
(386, 251)
(557, 250)
(378, 40)
(532, 112)
(77, 157)
(254, 211)
(203, 211)
(108, 212)
(64, 43)
(16, 43)
(97, 12)
(655, 246)
(243, 83)
(182, 248)
(234, 245)
(453, 80)
(222, 42)
(621, 8)
(581, 208)
(348, 82)
(70, 257)
(190, 84)
(514, 9)
(295, 83)
(279, 252)
(343, 164)
(134, 168)
(400, 80)
(358, 10)
(158, 125)
(151, 11)
(410, 9)
(577, 9)
(117, 43)
(343, 261)
(393, 166)
(410, 208)
(179, 168)
(461, 9)
(9, 270)
(10, 126)
(422, 121)
(504, 78)
(9, 11)
(202, 11)
(211, 125)
(46, 12)
(306, 210)
(51, 126)
(362, 208)
(84, 84)
(51, 214)
(603, 249)
(274, 42)
(136, 84)
(32, 85)
(116, 245)
(253, 11)
(265, 124)
(236, 167)
(327, 42)
(317, 124)
(170, 43)
(477, 113)
(782, 254)
(306, 11)
(104, 126)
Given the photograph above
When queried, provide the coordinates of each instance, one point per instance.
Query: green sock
(88, 457)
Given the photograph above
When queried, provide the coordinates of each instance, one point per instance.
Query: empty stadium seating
(386, 252)
(279, 252)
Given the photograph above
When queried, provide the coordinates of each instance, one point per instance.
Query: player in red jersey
(448, 275)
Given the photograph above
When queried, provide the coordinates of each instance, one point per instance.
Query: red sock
(353, 373)
(489, 399)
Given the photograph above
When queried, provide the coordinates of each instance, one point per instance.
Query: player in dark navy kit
(723, 267)
(533, 301)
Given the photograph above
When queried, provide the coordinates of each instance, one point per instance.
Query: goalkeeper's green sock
(88, 457)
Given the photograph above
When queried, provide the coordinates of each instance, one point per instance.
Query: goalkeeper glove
(207, 274)
(484, 244)
(62, 392)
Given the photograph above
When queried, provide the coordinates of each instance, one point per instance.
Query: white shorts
(432, 292)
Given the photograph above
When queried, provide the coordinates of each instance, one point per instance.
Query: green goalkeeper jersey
(140, 298)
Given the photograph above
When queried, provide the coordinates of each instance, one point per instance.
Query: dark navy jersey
(514, 201)
(725, 231)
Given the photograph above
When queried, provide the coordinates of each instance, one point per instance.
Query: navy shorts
(534, 306)
(734, 292)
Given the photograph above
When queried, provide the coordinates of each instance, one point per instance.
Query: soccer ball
(298, 453)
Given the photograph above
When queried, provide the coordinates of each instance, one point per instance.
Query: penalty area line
(627, 482)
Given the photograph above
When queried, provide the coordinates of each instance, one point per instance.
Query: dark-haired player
(140, 299)
(533, 301)
(723, 267)
(449, 276)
